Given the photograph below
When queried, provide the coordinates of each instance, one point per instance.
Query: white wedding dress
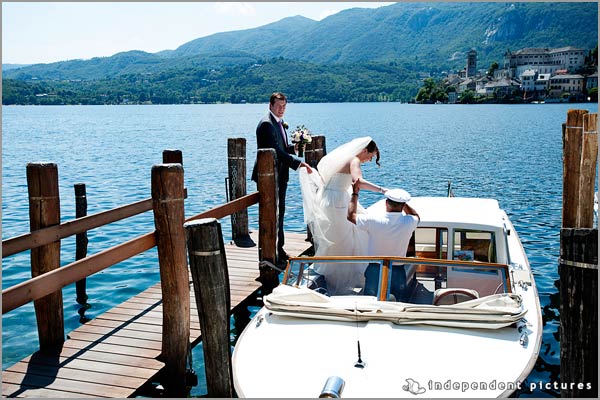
(326, 195)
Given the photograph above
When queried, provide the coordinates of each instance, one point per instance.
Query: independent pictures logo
(413, 387)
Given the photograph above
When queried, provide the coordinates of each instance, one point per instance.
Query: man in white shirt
(389, 234)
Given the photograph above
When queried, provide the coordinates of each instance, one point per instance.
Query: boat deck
(115, 354)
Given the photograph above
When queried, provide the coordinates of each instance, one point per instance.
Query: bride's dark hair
(372, 148)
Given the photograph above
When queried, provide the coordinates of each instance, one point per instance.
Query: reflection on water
(510, 153)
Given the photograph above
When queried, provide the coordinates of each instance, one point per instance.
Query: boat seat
(402, 281)
(449, 296)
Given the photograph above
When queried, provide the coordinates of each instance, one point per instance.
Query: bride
(325, 196)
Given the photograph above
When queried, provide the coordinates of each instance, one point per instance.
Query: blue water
(511, 153)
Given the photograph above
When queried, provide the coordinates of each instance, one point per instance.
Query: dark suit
(268, 136)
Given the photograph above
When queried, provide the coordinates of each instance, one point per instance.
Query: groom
(271, 134)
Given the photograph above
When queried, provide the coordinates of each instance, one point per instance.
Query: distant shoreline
(332, 102)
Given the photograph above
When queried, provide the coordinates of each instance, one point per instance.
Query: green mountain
(274, 36)
(430, 36)
(6, 67)
(356, 55)
(436, 33)
(130, 62)
(301, 81)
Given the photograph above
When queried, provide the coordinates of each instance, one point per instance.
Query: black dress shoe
(283, 257)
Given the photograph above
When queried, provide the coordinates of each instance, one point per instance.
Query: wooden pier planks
(115, 354)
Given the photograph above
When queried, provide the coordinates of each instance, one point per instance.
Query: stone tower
(471, 63)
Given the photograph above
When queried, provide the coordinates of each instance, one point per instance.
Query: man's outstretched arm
(353, 205)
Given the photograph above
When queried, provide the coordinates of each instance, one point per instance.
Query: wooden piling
(309, 152)
(572, 166)
(315, 150)
(589, 156)
(579, 312)
(578, 267)
(267, 218)
(167, 204)
(210, 275)
(81, 239)
(44, 211)
(236, 162)
(171, 156)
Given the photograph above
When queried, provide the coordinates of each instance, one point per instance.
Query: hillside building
(540, 69)
(528, 80)
(480, 84)
(543, 60)
(541, 82)
(591, 81)
(452, 97)
(501, 73)
(502, 87)
(537, 73)
(467, 84)
(559, 84)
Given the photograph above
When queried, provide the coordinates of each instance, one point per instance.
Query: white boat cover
(489, 312)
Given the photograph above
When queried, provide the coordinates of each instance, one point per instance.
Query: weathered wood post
(573, 137)
(171, 156)
(44, 211)
(167, 204)
(309, 152)
(210, 275)
(314, 151)
(81, 240)
(267, 218)
(578, 268)
(589, 156)
(236, 163)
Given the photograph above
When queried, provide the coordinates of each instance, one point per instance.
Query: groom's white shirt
(275, 116)
(389, 232)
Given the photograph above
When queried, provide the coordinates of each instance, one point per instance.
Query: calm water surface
(510, 153)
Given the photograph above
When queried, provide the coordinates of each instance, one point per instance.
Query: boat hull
(440, 361)
(285, 356)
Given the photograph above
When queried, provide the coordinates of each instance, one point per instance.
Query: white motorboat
(459, 317)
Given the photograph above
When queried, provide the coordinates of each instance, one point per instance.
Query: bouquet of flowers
(301, 136)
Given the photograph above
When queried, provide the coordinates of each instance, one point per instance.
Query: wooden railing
(53, 233)
(168, 195)
(52, 281)
(167, 205)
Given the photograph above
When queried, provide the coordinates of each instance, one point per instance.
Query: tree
(493, 68)
(422, 95)
(439, 95)
(593, 94)
(429, 84)
(468, 97)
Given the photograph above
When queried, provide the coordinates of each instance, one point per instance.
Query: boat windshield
(393, 279)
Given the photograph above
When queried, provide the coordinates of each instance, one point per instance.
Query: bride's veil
(312, 185)
(340, 156)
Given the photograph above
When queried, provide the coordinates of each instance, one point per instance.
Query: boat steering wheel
(455, 292)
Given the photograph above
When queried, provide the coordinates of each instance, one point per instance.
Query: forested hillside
(355, 55)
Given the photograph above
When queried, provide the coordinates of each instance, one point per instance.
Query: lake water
(510, 153)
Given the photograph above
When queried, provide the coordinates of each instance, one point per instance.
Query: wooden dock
(116, 353)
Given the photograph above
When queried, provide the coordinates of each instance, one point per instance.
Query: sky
(45, 32)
